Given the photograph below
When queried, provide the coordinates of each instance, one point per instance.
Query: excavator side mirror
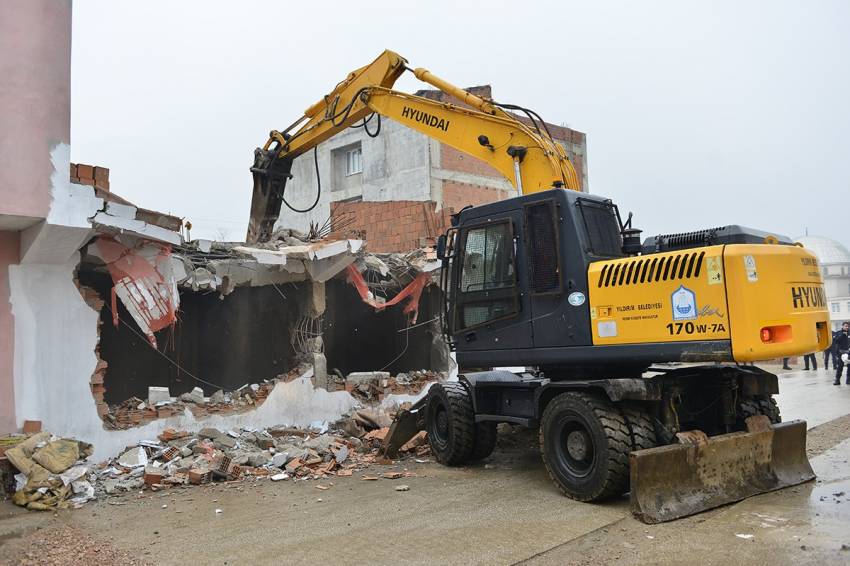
(441, 247)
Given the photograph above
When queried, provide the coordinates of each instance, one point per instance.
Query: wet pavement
(810, 395)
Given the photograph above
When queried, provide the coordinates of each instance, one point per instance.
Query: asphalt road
(503, 511)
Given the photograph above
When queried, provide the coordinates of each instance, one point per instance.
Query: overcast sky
(697, 114)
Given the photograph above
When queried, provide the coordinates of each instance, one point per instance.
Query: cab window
(487, 279)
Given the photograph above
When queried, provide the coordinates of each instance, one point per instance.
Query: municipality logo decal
(684, 304)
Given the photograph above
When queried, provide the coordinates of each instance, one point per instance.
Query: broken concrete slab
(211, 433)
(158, 395)
(224, 441)
(196, 396)
(367, 376)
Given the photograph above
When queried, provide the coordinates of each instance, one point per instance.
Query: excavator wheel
(641, 429)
(762, 405)
(585, 444)
(485, 441)
(450, 423)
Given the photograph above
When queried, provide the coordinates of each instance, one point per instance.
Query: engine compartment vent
(651, 269)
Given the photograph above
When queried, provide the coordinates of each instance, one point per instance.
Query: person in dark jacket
(827, 354)
(840, 345)
(814, 361)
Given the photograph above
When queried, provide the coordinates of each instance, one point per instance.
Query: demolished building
(103, 302)
(114, 325)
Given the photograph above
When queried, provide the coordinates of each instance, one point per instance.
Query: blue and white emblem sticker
(576, 299)
(684, 304)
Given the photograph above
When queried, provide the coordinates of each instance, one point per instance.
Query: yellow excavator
(639, 354)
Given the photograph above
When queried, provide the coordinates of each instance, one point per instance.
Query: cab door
(491, 310)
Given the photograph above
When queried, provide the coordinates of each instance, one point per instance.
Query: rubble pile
(368, 387)
(160, 403)
(280, 453)
(371, 386)
(53, 473)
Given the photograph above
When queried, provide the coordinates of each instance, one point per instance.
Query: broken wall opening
(358, 338)
(243, 338)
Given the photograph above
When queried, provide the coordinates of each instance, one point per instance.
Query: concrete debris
(134, 411)
(158, 395)
(181, 458)
(375, 385)
(196, 396)
(133, 458)
(402, 488)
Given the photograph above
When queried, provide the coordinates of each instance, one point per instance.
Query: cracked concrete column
(315, 309)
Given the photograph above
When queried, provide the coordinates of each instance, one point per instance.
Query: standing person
(785, 363)
(826, 355)
(840, 345)
(811, 358)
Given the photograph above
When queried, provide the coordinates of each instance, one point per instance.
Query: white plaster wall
(396, 166)
(55, 337)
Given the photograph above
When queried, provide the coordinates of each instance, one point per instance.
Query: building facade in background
(398, 189)
(834, 259)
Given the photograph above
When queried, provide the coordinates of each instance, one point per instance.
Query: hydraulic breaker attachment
(270, 175)
(701, 473)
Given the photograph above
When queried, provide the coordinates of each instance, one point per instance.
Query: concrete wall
(396, 166)
(9, 244)
(35, 110)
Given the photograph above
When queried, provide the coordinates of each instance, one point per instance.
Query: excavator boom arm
(527, 156)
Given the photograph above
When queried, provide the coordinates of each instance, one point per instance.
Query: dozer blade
(701, 473)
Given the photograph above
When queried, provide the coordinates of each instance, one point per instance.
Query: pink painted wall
(9, 246)
(35, 95)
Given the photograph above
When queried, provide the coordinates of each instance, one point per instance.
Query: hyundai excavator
(638, 355)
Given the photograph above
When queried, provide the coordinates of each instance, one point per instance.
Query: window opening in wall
(834, 307)
(353, 161)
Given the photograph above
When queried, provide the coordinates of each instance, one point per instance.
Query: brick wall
(455, 160)
(458, 195)
(397, 226)
(90, 175)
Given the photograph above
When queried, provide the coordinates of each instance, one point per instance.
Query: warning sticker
(607, 329)
(750, 266)
(714, 271)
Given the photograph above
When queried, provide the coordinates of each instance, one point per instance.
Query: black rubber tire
(765, 405)
(450, 423)
(605, 436)
(641, 428)
(484, 442)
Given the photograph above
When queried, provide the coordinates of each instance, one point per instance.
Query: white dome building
(834, 259)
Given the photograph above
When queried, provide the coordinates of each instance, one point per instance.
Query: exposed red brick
(85, 172)
(391, 226)
(455, 160)
(458, 195)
